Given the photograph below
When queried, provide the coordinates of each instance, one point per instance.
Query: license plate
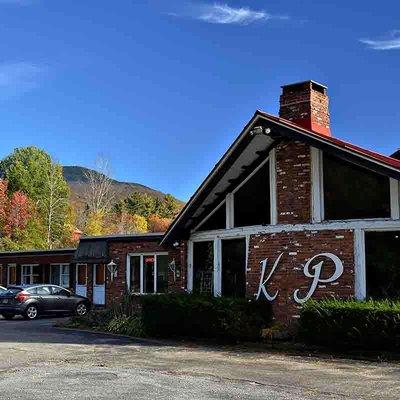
(5, 301)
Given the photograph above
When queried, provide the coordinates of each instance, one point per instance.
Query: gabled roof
(283, 128)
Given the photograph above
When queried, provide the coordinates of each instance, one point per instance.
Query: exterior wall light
(260, 130)
(112, 269)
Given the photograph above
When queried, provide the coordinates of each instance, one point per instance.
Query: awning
(92, 251)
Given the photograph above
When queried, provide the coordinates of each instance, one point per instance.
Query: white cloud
(226, 15)
(390, 43)
(18, 77)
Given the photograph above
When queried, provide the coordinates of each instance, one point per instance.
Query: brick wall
(179, 255)
(293, 182)
(298, 248)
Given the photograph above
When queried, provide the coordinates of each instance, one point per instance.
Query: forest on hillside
(39, 211)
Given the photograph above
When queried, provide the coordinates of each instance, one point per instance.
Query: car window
(15, 290)
(31, 290)
(60, 291)
(43, 290)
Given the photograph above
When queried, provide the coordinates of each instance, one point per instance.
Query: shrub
(204, 317)
(351, 324)
(132, 326)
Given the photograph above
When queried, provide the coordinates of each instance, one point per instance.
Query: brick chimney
(307, 105)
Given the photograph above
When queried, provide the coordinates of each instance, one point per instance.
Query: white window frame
(217, 243)
(128, 270)
(60, 274)
(30, 275)
(317, 186)
(9, 266)
(395, 198)
(360, 259)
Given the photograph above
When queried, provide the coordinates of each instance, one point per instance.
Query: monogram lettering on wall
(310, 271)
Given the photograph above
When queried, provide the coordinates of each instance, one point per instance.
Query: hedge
(353, 324)
(205, 317)
(183, 315)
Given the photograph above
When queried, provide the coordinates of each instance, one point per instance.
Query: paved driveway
(38, 361)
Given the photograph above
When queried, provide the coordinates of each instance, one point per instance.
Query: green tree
(140, 204)
(33, 172)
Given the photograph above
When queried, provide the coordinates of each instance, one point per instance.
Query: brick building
(289, 213)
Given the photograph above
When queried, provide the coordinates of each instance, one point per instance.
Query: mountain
(77, 180)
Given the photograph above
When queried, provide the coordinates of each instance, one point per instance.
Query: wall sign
(310, 271)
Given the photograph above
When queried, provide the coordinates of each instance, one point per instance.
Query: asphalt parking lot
(40, 361)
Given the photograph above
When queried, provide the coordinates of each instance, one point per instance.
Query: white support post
(317, 186)
(190, 267)
(360, 281)
(395, 198)
(230, 211)
(272, 187)
(217, 268)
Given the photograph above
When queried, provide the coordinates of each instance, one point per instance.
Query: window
(233, 258)
(216, 221)
(81, 274)
(30, 274)
(1, 275)
(352, 192)
(40, 290)
(148, 273)
(58, 291)
(60, 275)
(100, 275)
(135, 262)
(203, 268)
(12, 274)
(383, 264)
(252, 200)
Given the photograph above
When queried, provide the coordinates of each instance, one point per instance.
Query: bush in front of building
(350, 324)
(224, 319)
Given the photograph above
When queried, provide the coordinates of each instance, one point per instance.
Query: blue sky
(162, 88)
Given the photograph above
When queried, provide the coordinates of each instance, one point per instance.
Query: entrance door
(81, 280)
(99, 284)
(233, 268)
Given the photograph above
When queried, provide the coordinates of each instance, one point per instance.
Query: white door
(99, 284)
(81, 280)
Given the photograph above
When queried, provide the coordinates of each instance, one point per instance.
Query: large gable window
(252, 200)
(217, 220)
(353, 192)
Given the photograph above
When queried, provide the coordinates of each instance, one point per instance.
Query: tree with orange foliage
(158, 224)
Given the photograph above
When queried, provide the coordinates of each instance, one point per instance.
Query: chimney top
(306, 104)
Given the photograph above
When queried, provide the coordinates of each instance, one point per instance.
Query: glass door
(233, 260)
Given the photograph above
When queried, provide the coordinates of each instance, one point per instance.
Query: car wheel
(31, 312)
(8, 316)
(81, 309)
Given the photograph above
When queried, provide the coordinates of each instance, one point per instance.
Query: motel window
(252, 200)
(30, 274)
(60, 275)
(12, 275)
(383, 264)
(353, 192)
(203, 268)
(148, 273)
(135, 262)
(100, 275)
(217, 220)
(81, 274)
